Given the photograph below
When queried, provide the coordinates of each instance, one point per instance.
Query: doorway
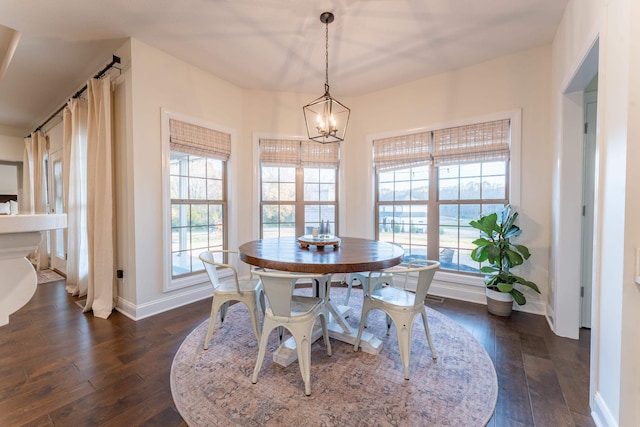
(58, 240)
(588, 197)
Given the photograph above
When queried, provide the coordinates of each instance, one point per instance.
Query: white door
(588, 189)
(58, 237)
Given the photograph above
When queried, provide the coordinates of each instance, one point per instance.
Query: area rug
(46, 276)
(213, 387)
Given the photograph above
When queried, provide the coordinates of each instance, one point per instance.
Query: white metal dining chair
(363, 278)
(400, 305)
(296, 313)
(247, 291)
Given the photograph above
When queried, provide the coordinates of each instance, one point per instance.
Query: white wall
(615, 378)
(159, 81)
(574, 38)
(519, 81)
(12, 143)
(629, 12)
(8, 179)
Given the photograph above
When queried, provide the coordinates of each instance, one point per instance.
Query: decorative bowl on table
(320, 241)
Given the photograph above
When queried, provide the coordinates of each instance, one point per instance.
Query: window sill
(458, 279)
(184, 282)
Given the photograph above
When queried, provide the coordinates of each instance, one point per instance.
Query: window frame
(512, 174)
(195, 278)
(299, 203)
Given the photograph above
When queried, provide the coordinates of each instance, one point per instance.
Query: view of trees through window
(296, 199)
(427, 209)
(197, 210)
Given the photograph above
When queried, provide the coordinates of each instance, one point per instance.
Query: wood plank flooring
(543, 379)
(60, 367)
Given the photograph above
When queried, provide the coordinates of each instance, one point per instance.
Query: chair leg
(363, 321)
(325, 333)
(434, 356)
(262, 348)
(349, 286)
(255, 320)
(403, 331)
(212, 321)
(261, 301)
(223, 311)
(388, 324)
(303, 348)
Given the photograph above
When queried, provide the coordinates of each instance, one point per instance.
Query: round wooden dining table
(351, 255)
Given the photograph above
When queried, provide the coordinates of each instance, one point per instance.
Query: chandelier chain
(326, 58)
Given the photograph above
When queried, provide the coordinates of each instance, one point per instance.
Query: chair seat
(247, 285)
(394, 296)
(300, 306)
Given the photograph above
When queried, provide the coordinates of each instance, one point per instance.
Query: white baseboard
(461, 292)
(550, 316)
(471, 291)
(476, 294)
(175, 300)
(601, 414)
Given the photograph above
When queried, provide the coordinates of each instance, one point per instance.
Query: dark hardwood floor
(543, 379)
(59, 367)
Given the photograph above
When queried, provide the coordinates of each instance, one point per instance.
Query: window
(429, 185)
(298, 186)
(197, 197)
(197, 210)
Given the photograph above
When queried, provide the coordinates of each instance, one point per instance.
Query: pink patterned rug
(46, 276)
(213, 387)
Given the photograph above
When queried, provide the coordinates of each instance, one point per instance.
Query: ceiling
(49, 49)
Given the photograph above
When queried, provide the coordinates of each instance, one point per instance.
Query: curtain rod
(99, 75)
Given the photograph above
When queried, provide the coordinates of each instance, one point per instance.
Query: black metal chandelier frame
(325, 117)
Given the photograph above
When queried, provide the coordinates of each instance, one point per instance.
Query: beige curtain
(100, 205)
(88, 192)
(34, 198)
(26, 203)
(75, 195)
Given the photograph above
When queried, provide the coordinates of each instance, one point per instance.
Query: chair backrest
(278, 287)
(423, 270)
(211, 266)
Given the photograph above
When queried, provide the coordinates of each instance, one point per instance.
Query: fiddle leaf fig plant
(495, 247)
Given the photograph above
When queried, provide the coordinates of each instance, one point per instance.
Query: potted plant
(495, 247)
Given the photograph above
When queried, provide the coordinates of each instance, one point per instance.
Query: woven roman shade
(286, 152)
(198, 140)
(481, 142)
(314, 155)
(279, 152)
(401, 151)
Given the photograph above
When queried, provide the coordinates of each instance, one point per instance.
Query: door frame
(58, 263)
(588, 207)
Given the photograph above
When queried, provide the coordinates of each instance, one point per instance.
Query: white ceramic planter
(499, 303)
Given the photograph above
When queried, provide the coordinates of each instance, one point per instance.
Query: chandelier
(325, 117)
